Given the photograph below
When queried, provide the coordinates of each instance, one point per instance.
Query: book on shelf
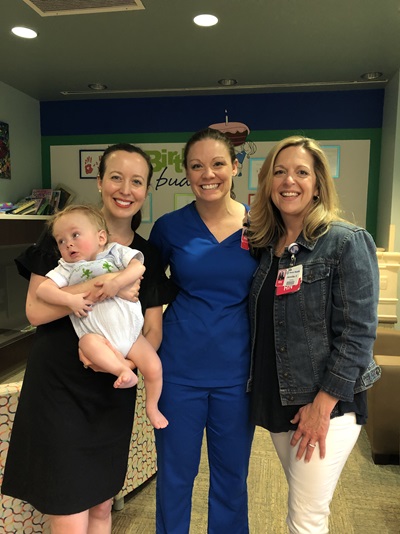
(42, 201)
(55, 200)
(33, 209)
(23, 205)
(30, 207)
(42, 193)
(5, 207)
(66, 196)
(44, 208)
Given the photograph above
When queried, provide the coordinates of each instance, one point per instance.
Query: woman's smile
(123, 203)
(209, 186)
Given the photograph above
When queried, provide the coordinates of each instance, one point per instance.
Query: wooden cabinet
(17, 232)
(20, 229)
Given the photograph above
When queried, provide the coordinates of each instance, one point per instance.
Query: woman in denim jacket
(313, 309)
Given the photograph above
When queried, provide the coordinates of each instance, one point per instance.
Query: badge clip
(293, 248)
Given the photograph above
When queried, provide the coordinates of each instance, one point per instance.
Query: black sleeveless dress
(70, 439)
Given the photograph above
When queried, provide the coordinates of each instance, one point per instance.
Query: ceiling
(266, 45)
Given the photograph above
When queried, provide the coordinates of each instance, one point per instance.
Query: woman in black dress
(70, 440)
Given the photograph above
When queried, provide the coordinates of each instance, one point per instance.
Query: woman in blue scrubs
(206, 344)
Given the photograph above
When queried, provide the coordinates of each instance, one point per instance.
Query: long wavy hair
(266, 223)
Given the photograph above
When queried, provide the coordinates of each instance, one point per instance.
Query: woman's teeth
(123, 203)
(209, 186)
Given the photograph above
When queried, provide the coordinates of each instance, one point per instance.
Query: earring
(100, 191)
(316, 198)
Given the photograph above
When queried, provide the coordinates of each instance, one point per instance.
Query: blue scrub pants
(224, 413)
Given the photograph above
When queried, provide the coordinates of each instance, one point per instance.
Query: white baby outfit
(119, 321)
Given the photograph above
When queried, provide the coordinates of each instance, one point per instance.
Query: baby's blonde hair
(93, 213)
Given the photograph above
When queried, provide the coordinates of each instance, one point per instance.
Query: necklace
(279, 249)
(124, 242)
(284, 242)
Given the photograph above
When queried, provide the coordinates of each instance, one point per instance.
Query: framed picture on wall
(89, 161)
(255, 165)
(332, 152)
(182, 200)
(251, 198)
(147, 210)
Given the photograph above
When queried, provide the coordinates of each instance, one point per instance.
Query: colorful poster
(5, 162)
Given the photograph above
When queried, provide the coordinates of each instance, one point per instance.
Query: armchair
(383, 425)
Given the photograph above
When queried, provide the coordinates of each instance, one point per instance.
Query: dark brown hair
(132, 149)
(216, 135)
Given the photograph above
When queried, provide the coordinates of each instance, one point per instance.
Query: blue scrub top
(206, 333)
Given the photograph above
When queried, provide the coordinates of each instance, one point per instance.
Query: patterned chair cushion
(20, 517)
(15, 516)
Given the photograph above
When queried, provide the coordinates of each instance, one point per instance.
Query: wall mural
(238, 133)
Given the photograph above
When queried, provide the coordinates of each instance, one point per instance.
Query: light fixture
(227, 82)
(26, 33)
(205, 20)
(371, 76)
(267, 87)
(97, 86)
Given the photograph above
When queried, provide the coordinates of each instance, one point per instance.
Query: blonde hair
(93, 213)
(266, 224)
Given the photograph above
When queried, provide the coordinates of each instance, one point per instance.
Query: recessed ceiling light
(370, 76)
(205, 20)
(97, 86)
(26, 33)
(227, 82)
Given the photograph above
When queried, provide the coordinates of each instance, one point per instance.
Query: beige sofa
(383, 426)
(19, 517)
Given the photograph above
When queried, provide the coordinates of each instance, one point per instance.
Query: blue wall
(272, 111)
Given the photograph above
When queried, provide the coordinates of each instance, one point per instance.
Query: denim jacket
(324, 333)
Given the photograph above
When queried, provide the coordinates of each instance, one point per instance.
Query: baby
(110, 330)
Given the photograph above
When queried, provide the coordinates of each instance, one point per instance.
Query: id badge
(289, 280)
(244, 241)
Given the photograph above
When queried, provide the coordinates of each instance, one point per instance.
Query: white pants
(311, 485)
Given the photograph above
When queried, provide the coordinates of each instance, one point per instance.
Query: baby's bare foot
(127, 379)
(156, 418)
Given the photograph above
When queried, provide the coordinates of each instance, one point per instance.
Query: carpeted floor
(366, 501)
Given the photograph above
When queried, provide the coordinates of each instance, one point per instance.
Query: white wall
(389, 181)
(169, 183)
(22, 114)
